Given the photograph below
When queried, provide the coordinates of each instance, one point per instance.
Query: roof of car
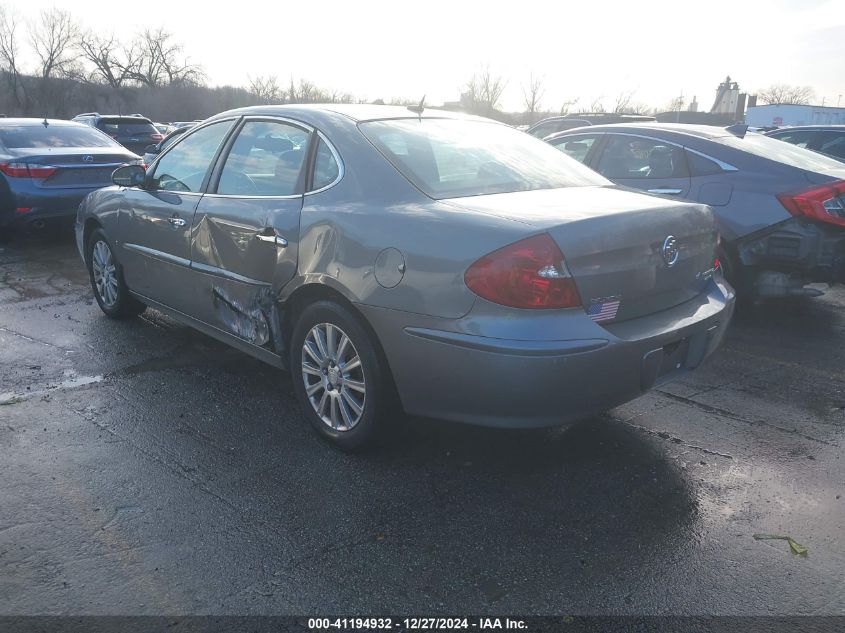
(701, 131)
(355, 111)
(790, 128)
(32, 121)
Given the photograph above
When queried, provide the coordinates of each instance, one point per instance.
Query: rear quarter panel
(373, 208)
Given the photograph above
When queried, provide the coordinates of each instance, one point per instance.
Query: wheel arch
(309, 293)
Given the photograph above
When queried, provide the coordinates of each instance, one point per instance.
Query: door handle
(666, 191)
(177, 222)
(278, 240)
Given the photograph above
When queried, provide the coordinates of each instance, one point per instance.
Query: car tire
(345, 401)
(107, 281)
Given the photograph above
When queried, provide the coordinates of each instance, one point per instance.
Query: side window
(701, 166)
(544, 129)
(636, 157)
(801, 138)
(184, 167)
(265, 160)
(832, 144)
(326, 168)
(576, 147)
(169, 141)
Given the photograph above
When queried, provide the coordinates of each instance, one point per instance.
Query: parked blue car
(48, 166)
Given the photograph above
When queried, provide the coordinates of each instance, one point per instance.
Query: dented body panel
(399, 257)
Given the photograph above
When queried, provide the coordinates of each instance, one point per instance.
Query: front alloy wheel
(107, 279)
(105, 273)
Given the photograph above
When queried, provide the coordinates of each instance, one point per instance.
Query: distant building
(730, 101)
(777, 114)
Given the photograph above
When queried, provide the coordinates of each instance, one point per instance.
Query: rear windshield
(448, 158)
(34, 136)
(780, 151)
(126, 128)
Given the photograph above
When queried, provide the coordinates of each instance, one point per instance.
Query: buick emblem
(670, 251)
(88, 158)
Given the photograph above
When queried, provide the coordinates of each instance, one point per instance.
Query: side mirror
(129, 176)
(151, 149)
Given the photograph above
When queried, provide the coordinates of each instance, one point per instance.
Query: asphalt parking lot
(148, 469)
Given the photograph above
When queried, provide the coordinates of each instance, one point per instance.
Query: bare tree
(677, 104)
(266, 89)
(785, 93)
(622, 102)
(158, 61)
(532, 94)
(567, 106)
(597, 104)
(484, 90)
(111, 63)
(53, 37)
(9, 50)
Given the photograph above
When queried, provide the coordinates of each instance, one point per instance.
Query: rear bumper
(44, 206)
(526, 382)
(813, 251)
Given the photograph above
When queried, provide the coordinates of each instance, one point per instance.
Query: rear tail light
(531, 273)
(25, 170)
(825, 203)
(156, 137)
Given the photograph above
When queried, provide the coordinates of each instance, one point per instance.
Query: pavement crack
(676, 440)
(33, 340)
(733, 416)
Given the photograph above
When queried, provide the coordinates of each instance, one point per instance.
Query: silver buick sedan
(445, 264)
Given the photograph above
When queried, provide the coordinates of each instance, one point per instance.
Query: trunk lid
(77, 167)
(617, 242)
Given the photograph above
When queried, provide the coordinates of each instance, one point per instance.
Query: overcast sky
(656, 48)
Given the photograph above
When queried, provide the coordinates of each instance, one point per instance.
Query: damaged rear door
(245, 234)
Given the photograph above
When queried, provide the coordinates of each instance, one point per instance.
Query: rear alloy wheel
(334, 377)
(338, 376)
(107, 280)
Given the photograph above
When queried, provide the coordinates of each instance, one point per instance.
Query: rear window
(126, 128)
(34, 136)
(453, 158)
(776, 150)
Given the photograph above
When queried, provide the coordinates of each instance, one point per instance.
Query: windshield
(781, 151)
(34, 136)
(448, 158)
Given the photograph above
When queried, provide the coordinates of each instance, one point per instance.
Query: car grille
(91, 176)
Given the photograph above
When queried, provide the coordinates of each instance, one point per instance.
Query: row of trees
(72, 68)
(482, 93)
(61, 50)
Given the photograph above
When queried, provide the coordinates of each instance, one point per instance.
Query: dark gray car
(780, 208)
(450, 264)
(825, 139)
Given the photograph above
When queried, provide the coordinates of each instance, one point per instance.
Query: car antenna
(737, 129)
(45, 122)
(418, 108)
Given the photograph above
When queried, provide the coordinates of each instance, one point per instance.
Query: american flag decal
(603, 309)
